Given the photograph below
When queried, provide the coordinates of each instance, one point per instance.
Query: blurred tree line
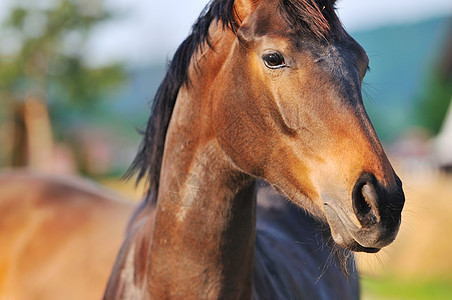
(43, 74)
(438, 95)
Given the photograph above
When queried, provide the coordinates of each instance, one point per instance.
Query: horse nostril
(369, 195)
(365, 199)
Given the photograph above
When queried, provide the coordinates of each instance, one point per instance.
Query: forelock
(316, 18)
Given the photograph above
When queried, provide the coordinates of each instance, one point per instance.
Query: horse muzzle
(373, 219)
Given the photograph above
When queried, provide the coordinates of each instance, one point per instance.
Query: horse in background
(59, 236)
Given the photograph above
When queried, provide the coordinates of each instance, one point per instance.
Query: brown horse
(261, 89)
(267, 89)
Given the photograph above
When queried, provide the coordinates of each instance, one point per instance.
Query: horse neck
(200, 241)
(203, 239)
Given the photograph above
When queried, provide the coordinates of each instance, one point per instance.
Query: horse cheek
(290, 111)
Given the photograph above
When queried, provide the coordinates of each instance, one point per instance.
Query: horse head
(289, 110)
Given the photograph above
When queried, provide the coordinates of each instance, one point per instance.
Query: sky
(151, 30)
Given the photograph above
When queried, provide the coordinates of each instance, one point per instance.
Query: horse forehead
(339, 60)
(334, 64)
(338, 55)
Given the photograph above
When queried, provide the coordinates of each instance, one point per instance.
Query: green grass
(392, 288)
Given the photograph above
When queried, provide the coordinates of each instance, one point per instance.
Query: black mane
(314, 17)
(148, 161)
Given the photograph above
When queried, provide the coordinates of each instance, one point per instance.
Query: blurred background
(77, 79)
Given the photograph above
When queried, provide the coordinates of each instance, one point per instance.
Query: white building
(443, 142)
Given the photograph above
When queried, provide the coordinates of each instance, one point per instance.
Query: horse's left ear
(242, 8)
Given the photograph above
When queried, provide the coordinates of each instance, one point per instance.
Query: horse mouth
(345, 233)
(356, 247)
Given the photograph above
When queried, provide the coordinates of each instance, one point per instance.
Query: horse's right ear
(242, 8)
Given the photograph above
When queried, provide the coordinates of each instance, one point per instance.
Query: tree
(438, 96)
(42, 68)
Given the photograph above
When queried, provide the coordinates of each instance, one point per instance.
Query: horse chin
(356, 247)
(342, 234)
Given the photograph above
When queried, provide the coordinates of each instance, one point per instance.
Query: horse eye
(274, 60)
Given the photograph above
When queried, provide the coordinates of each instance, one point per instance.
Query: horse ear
(243, 8)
